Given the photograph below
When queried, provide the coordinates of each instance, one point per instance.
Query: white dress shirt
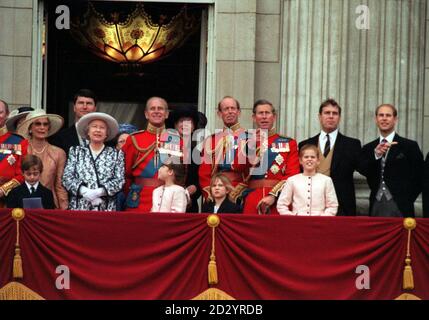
(169, 199)
(332, 138)
(308, 195)
(34, 186)
(389, 139)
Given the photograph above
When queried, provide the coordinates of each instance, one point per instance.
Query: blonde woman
(37, 127)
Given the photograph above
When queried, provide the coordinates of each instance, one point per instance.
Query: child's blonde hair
(226, 182)
(309, 147)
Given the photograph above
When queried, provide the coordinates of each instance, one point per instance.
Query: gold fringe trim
(17, 264)
(213, 294)
(407, 296)
(17, 291)
(408, 279)
(213, 221)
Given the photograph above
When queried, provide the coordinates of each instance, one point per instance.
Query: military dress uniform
(224, 152)
(276, 160)
(145, 152)
(12, 148)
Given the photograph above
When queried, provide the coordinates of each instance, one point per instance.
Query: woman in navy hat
(185, 120)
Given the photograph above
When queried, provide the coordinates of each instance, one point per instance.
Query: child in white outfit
(310, 193)
(170, 197)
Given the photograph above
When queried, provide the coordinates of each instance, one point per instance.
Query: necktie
(383, 142)
(32, 190)
(327, 146)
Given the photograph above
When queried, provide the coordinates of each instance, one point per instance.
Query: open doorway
(70, 66)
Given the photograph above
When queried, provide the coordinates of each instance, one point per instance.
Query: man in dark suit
(32, 167)
(84, 102)
(338, 156)
(426, 189)
(393, 167)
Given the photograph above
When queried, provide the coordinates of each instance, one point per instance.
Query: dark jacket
(426, 189)
(65, 139)
(402, 173)
(227, 206)
(344, 163)
(192, 178)
(16, 196)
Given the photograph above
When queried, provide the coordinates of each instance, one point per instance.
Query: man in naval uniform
(12, 148)
(145, 152)
(223, 151)
(273, 159)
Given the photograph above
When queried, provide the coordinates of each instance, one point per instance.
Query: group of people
(97, 164)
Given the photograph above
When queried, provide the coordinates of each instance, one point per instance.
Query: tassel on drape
(18, 273)
(213, 221)
(408, 278)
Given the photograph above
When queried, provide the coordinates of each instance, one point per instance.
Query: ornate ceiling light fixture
(135, 41)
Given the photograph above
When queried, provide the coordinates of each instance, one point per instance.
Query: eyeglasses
(41, 124)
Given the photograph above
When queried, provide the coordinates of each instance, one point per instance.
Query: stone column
(15, 51)
(235, 54)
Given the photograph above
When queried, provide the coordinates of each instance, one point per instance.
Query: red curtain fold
(165, 256)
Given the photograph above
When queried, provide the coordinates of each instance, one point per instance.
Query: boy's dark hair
(179, 171)
(31, 160)
(85, 93)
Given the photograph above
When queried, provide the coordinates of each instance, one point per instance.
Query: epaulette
(137, 132)
(17, 135)
(284, 137)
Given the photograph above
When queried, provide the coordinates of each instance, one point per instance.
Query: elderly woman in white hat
(37, 127)
(94, 174)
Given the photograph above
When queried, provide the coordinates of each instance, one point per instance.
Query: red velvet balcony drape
(165, 256)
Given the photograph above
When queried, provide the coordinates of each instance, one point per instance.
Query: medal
(279, 159)
(274, 169)
(11, 159)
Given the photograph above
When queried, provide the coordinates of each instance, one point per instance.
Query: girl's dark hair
(178, 170)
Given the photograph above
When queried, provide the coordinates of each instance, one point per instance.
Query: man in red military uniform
(274, 158)
(12, 148)
(145, 151)
(223, 151)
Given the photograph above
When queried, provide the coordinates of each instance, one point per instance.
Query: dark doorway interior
(71, 66)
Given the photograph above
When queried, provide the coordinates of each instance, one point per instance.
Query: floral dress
(106, 170)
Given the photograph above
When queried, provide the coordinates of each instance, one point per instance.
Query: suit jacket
(402, 172)
(227, 206)
(16, 196)
(426, 189)
(65, 139)
(344, 163)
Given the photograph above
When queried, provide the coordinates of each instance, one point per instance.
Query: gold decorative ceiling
(135, 41)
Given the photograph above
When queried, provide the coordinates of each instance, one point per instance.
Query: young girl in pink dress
(309, 193)
(170, 197)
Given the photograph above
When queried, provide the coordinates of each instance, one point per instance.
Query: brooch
(11, 159)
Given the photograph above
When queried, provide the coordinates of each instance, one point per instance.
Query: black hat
(15, 115)
(177, 112)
